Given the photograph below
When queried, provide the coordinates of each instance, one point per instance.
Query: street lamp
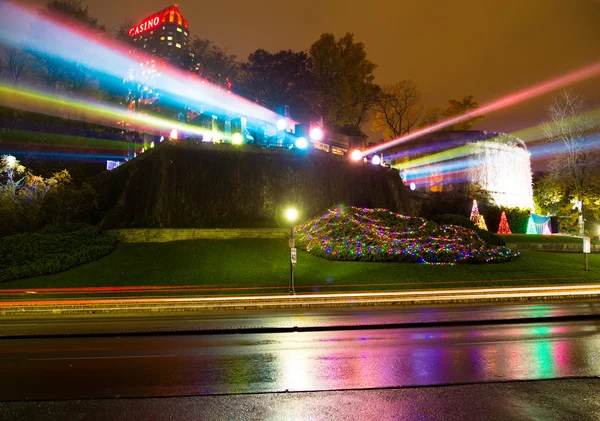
(291, 215)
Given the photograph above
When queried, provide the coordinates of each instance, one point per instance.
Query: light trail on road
(74, 306)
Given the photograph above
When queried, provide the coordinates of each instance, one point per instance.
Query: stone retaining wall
(570, 247)
(159, 235)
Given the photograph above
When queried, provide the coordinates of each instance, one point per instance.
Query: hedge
(54, 248)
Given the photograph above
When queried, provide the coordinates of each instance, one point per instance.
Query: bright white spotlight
(376, 160)
(316, 133)
(355, 155)
(207, 136)
(174, 134)
(291, 214)
(237, 139)
(281, 124)
(301, 143)
(413, 186)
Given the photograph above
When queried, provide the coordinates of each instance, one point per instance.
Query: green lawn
(262, 265)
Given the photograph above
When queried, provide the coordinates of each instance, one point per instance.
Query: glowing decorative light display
(476, 217)
(351, 233)
(531, 226)
(376, 160)
(413, 186)
(496, 162)
(538, 224)
(281, 124)
(316, 133)
(207, 136)
(504, 228)
(237, 139)
(356, 155)
(174, 134)
(546, 230)
(301, 143)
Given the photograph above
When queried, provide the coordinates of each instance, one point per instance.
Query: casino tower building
(164, 35)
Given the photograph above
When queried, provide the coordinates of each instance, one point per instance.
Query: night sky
(450, 48)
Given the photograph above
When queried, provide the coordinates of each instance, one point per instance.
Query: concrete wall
(159, 235)
(551, 247)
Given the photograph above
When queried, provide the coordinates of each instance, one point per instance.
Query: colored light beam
(506, 101)
(76, 45)
(545, 150)
(45, 103)
(534, 133)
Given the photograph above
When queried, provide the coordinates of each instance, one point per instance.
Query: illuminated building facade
(164, 35)
(497, 163)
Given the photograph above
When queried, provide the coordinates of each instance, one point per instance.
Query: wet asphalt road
(205, 364)
(544, 400)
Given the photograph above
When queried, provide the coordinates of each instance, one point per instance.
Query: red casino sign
(146, 25)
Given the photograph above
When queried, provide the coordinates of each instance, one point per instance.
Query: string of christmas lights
(351, 233)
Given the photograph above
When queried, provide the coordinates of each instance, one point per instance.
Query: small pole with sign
(587, 248)
(291, 214)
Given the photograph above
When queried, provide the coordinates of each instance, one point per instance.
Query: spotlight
(237, 139)
(301, 143)
(316, 134)
(355, 155)
(207, 136)
(413, 186)
(376, 160)
(174, 134)
(281, 124)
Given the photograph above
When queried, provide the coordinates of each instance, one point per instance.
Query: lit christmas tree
(531, 226)
(476, 217)
(504, 228)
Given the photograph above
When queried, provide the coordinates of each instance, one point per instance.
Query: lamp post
(291, 215)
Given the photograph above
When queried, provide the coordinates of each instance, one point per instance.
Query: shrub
(54, 248)
(350, 233)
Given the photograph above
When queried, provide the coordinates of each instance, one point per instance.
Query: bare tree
(15, 62)
(576, 167)
(398, 109)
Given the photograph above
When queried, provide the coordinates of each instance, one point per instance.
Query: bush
(350, 233)
(461, 221)
(54, 248)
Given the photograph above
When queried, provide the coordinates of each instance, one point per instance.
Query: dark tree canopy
(216, 64)
(283, 78)
(344, 78)
(74, 9)
(456, 108)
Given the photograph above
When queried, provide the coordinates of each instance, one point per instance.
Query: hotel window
(179, 29)
(170, 43)
(178, 45)
(169, 38)
(162, 38)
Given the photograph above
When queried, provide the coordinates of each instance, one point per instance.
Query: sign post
(587, 248)
(292, 264)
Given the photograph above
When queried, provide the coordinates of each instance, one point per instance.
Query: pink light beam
(506, 101)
